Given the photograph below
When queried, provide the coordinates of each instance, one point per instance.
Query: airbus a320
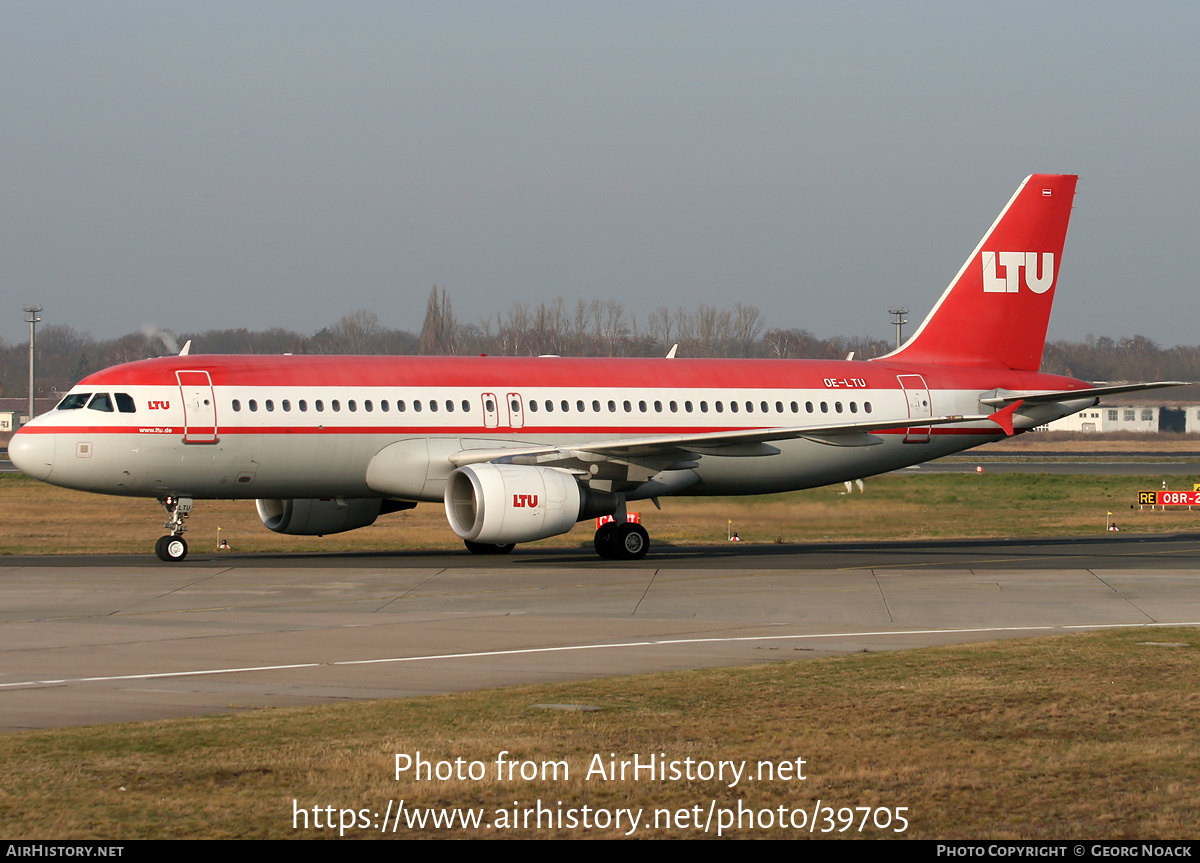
(520, 449)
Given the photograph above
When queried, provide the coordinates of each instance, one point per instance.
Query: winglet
(187, 347)
(1004, 418)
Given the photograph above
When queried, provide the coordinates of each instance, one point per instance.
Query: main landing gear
(625, 541)
(173, 547)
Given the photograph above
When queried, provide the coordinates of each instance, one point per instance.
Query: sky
(211, 165)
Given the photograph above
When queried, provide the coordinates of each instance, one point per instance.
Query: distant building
(1130, 418)
(13, 413)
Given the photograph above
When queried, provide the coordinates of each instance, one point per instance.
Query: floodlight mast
(32, 319)
(898, 313)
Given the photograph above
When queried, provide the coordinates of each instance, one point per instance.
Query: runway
(109, 639)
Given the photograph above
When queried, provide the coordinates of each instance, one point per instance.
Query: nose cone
(32, 453)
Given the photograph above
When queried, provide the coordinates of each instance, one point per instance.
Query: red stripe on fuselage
(475, 430)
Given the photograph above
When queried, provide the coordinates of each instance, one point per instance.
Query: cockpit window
(101, 402)
(125, 403)
(74, 401)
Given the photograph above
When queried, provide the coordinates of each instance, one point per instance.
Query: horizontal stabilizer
(1004, 397)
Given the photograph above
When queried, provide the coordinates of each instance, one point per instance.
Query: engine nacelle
(318, 516)
(499, 504)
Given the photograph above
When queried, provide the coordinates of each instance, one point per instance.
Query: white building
(1132, 418)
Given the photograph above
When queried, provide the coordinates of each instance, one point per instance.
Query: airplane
(521, 449)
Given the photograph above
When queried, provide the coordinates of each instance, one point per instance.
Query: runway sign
(1169, 498)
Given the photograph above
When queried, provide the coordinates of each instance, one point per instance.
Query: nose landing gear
(173, 547)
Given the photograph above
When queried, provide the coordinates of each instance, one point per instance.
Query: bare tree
(438, 332)
(355, 332)
(747, 324)
(658, 326)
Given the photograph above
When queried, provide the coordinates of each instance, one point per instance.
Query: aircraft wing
(686, 447)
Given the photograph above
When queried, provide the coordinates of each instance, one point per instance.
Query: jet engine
(500, 504)
(319, 516)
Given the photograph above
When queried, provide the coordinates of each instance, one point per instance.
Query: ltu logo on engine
(524, 500)
(1013, 263)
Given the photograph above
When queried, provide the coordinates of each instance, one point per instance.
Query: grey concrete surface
(95, 640)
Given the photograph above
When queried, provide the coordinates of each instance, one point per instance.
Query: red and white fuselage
(311, 426)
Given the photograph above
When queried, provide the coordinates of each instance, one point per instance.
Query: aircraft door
(491, 410)
(920, 406)
(199, 407)
(516, 410)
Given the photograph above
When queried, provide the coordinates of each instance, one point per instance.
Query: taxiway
(99, 639)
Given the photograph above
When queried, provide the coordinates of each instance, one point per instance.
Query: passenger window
(466, 406)
(596, 406)
(565, 405)
(824, 407)
(674, 407)
(101, 402)
(778, 407)
(687, 406)
(384, 406)
(867, 407)
(303, 406)
(721, 407)
(237, 406)
(400, 405)
(612, 406)
(853, 408)
(449, 406)
(642, 406)
(125, 403)
(657, 407)
(488, 405)
(579, 405)
(253, 405)
(532, 406)
(287, 405)
(352, 405)
(703, 407)
(320, 405)
(417, 405)
(628, 407)
(335, 405)
(549, 406)
(733, 406)
(433, 405)
(270, 405)
(367, 406)
(74, 401)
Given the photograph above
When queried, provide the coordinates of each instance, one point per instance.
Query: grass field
(1082, 736)
(42, 519)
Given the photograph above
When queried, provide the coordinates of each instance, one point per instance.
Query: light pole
(898, 313)
(32, 319)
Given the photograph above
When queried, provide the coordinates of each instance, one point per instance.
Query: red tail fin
(996, 310)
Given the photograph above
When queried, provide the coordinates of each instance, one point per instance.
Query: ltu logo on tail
(1037, 279)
